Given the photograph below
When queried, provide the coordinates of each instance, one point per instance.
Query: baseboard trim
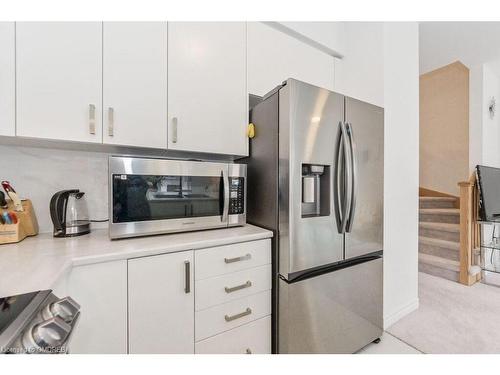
(405, 310)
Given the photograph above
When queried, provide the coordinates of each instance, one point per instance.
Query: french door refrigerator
(315, 175)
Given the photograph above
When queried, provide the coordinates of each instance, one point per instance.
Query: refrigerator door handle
(342, 199)
(354, 177)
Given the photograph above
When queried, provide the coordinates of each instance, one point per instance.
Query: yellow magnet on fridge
(251, 130)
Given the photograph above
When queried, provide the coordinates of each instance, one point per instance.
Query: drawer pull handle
(91, 118)
(187, 276)
(248, 351)
(111, 121)
(237, 259)
(230, 318)
(248, 284)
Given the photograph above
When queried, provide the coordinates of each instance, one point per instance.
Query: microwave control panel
(236, 195)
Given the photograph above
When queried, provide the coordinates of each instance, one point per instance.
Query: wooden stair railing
(469, 229)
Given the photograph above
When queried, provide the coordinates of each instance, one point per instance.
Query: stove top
(11, 307)
(37, 322)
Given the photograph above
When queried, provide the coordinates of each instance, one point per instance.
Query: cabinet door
(59, 80)
(207, 96)
(161, 304)
(274, 56)
(101, 290)
(7, 79)
(135, 83)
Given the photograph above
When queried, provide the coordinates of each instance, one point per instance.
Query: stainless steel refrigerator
(315, 175)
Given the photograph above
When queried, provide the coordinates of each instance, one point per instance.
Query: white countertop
(38, 262)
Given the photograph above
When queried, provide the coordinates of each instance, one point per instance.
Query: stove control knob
(51, 333)
(66, 308)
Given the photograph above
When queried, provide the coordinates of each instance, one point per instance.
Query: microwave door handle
(225, 187)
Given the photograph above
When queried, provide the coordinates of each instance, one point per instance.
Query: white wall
(328, 34)
(484, 131)
(37, 173)
(490, 131)
(475, 116)
(360, 73)
(401, 171)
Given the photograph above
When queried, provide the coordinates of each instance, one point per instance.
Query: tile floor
(389, 345)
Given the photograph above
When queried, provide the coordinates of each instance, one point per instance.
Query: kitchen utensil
(12, 195)
(69, 213)
(6, 218)
(3, 202)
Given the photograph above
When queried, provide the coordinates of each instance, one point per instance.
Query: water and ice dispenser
(315, 190)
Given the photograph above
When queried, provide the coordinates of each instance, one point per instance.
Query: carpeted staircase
(439, 237)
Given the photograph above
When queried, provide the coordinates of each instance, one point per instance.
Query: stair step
(438, 202)
(440, 231)
(437, 266)
(439, 248)
(440, 215)
(445, 227)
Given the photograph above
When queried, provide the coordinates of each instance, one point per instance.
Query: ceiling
(472, 43)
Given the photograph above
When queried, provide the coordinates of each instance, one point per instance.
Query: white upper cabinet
(207, 95)
(135, 83)
(274, 56)
(59, 80)
(161, 304)
(7, 79)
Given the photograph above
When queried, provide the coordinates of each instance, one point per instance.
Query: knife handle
(3, 202)
(18, 206)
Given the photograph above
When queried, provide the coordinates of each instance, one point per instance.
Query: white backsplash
(37, 173)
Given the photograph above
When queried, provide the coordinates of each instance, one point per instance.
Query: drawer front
(221, 260)
(222, 289)
(251, 338)
(233, 314)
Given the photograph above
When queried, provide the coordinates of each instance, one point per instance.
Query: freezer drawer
(337, 312)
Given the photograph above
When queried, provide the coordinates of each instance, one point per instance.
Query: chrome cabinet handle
(248, 284)
(187, 275)
(230, 318)
(238, 259)
(354, 177)
(91, 118)
(248, 351)
(174, 129)
(111, 120)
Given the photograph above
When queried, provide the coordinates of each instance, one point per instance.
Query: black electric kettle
(69, 213)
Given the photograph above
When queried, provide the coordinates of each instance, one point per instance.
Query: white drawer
(225, 288)
(233, 314)
(221, 260)
(251, 338)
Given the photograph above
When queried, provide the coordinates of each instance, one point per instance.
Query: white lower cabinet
(233, 298)
(233, 314)
(101, 290)
(225, 288)
(161, 304)
(147, 305)
(251, 338)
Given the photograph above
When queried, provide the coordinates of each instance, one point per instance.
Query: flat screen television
(488, 179)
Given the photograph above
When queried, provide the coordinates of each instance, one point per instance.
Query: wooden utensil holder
(26, 225)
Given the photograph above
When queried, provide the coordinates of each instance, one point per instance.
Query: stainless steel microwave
(155, 196)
